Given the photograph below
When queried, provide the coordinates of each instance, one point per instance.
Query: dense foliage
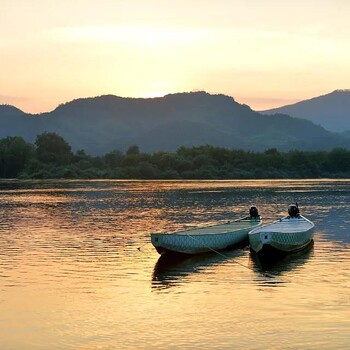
(51, 157)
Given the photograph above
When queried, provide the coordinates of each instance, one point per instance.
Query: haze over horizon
(264, 54)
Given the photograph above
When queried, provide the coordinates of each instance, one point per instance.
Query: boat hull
(294, 235)
(194, 242)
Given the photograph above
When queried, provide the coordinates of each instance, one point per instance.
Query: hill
(331, 111)
(104, 123)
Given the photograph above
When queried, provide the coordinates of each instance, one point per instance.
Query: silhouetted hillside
(14, 122)
(332, 111)
(104, 123)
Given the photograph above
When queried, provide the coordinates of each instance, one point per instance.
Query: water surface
(77, 270)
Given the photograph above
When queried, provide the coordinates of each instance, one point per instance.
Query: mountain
(101, 124)
(332, 111)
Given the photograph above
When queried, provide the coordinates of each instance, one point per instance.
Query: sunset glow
(264, 54)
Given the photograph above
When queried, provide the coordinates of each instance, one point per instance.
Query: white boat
(286, 235)
(208, 238)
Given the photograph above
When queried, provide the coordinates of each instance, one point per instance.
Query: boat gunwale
(186, 232)
(257, 229)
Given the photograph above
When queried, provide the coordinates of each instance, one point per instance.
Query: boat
(207, 238)
(289, 234)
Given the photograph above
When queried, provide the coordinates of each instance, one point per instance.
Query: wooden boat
(208, 238)
(286, 235)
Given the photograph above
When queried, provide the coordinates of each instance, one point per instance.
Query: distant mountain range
(101, 124)
(332, 111)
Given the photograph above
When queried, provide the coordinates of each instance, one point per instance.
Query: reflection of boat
(208, 238)
(172, 269)
(280, 264)
(287, 235)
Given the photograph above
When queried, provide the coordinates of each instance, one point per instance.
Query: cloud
(126, 34)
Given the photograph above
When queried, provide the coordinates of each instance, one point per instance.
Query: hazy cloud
(12, 100)
(260, 104)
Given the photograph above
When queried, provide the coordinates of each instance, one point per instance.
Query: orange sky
(264, 53)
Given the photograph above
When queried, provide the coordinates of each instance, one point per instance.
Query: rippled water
(77, 270)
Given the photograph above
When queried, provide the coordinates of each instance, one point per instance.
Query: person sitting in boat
(293, 211)
(253, 213)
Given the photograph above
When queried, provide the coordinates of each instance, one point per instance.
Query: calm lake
(77, 270)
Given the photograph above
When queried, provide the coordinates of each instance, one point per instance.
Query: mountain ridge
(103, 123)
(332, 110)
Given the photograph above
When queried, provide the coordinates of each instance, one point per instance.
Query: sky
(264, 53)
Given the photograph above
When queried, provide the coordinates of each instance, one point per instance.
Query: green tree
(339, 160)
(133, 150)
(52, 148)
(15, 153)
(113, 159)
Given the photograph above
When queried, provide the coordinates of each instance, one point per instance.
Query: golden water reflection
(72, 276)
(174, 270)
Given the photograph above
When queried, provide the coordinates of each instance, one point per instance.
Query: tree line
(52, 157)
